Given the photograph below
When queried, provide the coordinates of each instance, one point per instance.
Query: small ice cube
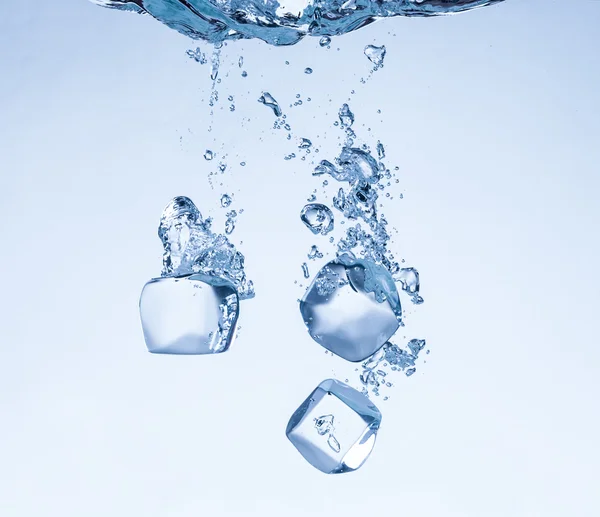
(195, 314)
(351, 308)
(335, 428)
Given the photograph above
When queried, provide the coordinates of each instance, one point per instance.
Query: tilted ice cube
(335, 428)
(194, 314)
(190, 246)
(351, 308)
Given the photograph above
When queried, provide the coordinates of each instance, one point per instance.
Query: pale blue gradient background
(493, 117)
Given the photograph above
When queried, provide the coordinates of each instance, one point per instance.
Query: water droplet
(268, 100)
(375, 54)
(197, 55)
(225, 200)
(346, 116)
(314, 253)
(308, 70)
(208, 155)
(305, 143)
(409, 280)
(324, 41)
(305, 270)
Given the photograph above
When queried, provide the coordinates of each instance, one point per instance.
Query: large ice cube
(335, 428)
(194, 314)
(351, 308)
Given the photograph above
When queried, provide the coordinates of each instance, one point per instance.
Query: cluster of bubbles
(191, 247)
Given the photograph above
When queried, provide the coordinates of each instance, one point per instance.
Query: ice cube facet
(195, 314)
(334, 428)
(352, 308)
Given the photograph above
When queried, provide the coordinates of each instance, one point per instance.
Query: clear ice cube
(334, 428)
(195, 314)
(351, 308)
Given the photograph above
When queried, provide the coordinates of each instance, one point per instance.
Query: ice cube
(351, 308)
(195, 314)
(334, 428)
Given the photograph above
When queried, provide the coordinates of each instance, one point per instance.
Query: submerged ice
(335, 428)
(281, 22)
(351, 308)
(195, 314)
(193, 308)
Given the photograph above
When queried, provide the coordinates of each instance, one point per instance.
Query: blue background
(492, 117)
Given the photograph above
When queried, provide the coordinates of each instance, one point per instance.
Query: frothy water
(191, 247)
(282, 22)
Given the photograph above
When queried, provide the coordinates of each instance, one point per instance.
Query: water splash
(390, 358)
(191, 247)
(279, 23)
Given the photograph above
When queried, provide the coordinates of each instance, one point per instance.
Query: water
(191, 247)
(376, 55)
(335, 428)
(314, 253)
(195, 314)
(387, 360)
(351, 308)
(226, 200)
(318, 218)
(346, 116)
(409, 280)
(280, 24)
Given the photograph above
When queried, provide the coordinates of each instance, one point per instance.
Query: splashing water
(280, 22)
(318, 218)
(390, 358)
(190, 247)
(376, 55)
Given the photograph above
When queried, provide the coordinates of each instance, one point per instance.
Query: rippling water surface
(282, 23)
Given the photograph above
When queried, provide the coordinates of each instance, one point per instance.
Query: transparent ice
(335, 428)
(195, 314)
(351, 308)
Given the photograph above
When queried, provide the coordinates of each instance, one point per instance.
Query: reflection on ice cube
(351, 308)
(195, 314)
(335, 428)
